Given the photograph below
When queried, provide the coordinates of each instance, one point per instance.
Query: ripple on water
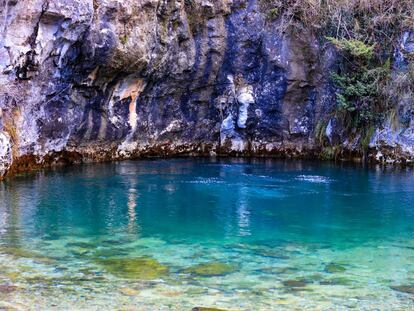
(314, 179)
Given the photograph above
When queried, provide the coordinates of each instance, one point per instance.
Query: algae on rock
(141, 268)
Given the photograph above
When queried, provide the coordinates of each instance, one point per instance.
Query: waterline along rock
(99, 80)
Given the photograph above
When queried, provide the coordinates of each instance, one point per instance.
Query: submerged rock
(206, 309)
(84, 245)
(407, 289)
(18, 252)
(7, 289)
(142, 268)
(129, 291)
(79, 252)
(336, 281)
(270, 252)
(334, 268)
(295, 283)
(210, 269)
(113, 252)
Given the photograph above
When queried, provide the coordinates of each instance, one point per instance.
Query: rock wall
(84, 80)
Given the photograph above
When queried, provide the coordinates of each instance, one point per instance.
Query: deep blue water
(343, 233)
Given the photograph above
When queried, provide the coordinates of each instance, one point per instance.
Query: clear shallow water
(231, 234)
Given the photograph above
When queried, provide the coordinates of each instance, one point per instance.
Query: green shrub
(123, 39)
(355, 48)
(273, 14)
(360, 82)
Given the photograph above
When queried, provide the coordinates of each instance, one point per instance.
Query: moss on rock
(143, 268)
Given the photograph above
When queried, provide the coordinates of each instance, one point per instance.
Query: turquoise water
(229, 234)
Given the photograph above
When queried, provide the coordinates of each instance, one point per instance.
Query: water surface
(230, 234)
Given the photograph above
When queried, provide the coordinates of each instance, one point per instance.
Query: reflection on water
(236, 234)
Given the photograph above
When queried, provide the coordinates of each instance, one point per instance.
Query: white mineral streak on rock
(228, 123)
(245, 98)
(227, 127)
(238, 144)
(174, 126)
(63, 52)
(5, 153)
(328, 131)
(231, 81)
(128, 88)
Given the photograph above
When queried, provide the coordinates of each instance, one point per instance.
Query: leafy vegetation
(365, 33)
(360, 81)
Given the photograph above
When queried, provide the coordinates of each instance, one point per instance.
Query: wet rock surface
(86, 81)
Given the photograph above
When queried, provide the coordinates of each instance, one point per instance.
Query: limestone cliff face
(97, 80)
